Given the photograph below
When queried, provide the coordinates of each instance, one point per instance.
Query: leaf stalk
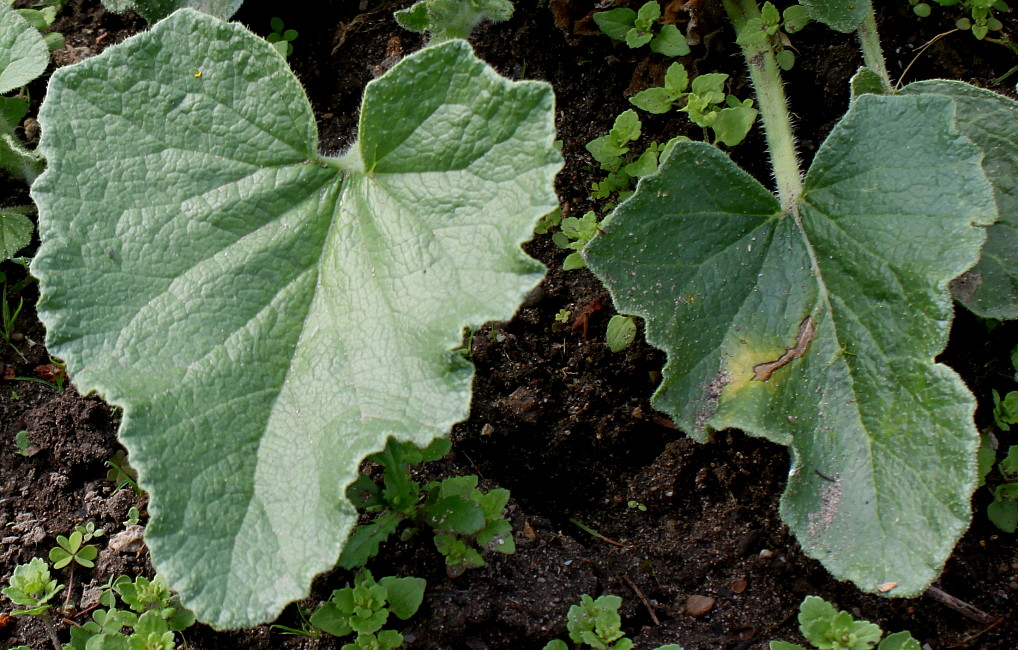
(770, 96)
(872, 54)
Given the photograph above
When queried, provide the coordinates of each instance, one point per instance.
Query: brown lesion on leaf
(763, 371)
(965, 285)
(709, 401)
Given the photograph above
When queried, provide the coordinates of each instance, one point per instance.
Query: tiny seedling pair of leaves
(257, 307)
(153, 10)
(817, 328)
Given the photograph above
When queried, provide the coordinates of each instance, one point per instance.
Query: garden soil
(687, 534)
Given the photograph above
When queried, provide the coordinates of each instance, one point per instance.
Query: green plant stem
(872, 54)
(770, 95)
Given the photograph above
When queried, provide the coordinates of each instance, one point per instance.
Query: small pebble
(765, 553)
(699, 605)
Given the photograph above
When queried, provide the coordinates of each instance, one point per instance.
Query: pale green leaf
(153, 10)
(842, 15)
(670, 42)
(899, 641)
(23, 52)
(990, 120)
(15, 231)
(256, 307)
(819, 330)
(616, 23)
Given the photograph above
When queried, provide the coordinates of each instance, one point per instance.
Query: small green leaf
(454, 514)
(620, 333)
(785, 59)
(1003, 512)
(733, 124)
(866, 81)
(636, 38)
(645, 165)
(331, 619)
(647, 14)
(754, 32)
(364, 541)
(899, 641)
(415, 19)
(653, 100)
(670, 42)
(795, 18)
(404, 595)
(616, 23)
(15, 231)
(785, 645)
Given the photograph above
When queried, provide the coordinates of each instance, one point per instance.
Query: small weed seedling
(122, 473)
(281, 39)
(639, 28)
(153, 615)
(466, 521)
(23, 443)
(702, 102)
(614, 155)
(620, 333)
(133, 517)
(73, 550)
(31, 586)
(364, 610)
(773, 26)
(980, 19)
(448, 19)
(561, 320)
(597, 624)
(828, 629)
(1005, 410)
(53, 374)
(574, 235)
(9, 318)
(1003, 510)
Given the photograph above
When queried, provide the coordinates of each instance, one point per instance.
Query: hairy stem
(770, 96)
(872, 55)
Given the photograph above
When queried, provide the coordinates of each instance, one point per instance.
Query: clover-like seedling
(639, 28)
(31, 586)
(72, 548)
(364, 609)
(448, 19)
(828, 629)
(281, 39)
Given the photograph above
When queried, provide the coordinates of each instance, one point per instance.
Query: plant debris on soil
(557, 418)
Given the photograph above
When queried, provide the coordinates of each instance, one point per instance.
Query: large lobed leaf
(990, 120)
(267, 316)
(818, 329)
(153, 10)
(23, 52)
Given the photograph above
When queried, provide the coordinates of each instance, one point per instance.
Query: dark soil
(557, 418)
